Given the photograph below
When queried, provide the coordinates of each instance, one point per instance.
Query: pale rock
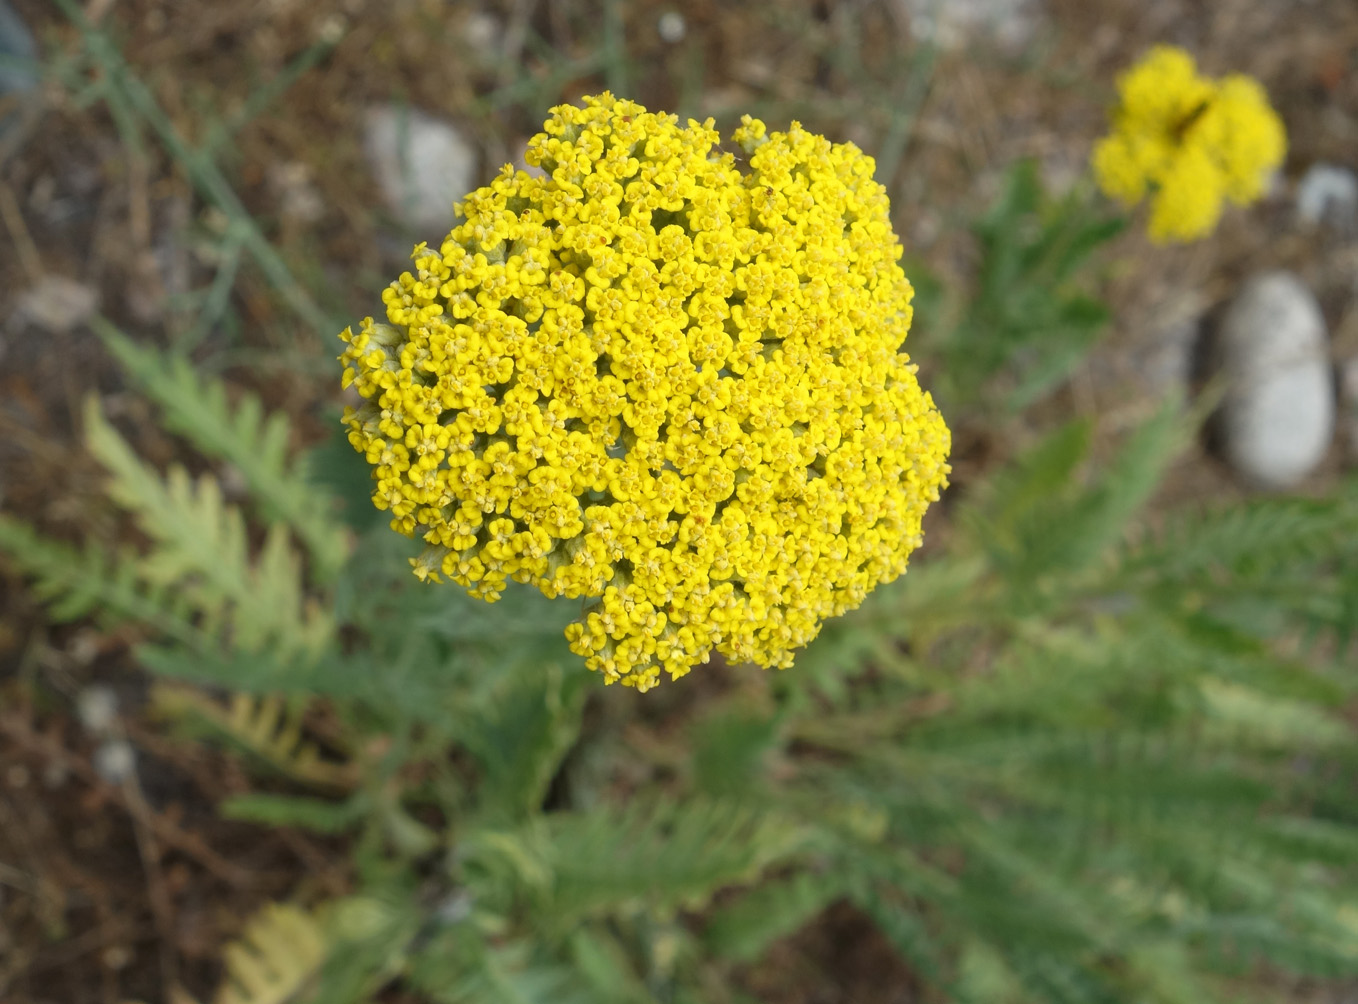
(482, 31)
(115, 760)
(955, 24)
(96, 707)
(57, 304)
(672, 27)
(1277, 416)
(422, 165)
(1329, 194)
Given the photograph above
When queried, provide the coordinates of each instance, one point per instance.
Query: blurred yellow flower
(660, 383)
(1188, 141)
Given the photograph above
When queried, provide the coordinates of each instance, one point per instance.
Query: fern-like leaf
(1066, 536)
(255, 444)
(267, 727)
(743, 930)
(85, 583)
(667, 856)
(200, 548)
(1258, 535)
(279, 953)
(458, 967)
(520, 733)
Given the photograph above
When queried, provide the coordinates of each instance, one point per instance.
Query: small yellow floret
(1190, 141)
(659, 383)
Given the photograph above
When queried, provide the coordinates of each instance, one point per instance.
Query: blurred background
(236, 180)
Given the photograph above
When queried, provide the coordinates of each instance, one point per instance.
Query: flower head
(1191, 141)
(660, 383)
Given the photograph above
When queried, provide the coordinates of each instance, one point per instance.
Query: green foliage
(256, 447)
(278, 954)
(730, 751)
(315, 814)
(1114, 730)
(744, 930)
(1084, 755)
(268, 728)
(534, 721)
(662, 855)
(94, 583)
(199, 550)
(1030, 315)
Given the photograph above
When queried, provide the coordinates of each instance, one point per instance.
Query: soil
(117, 890)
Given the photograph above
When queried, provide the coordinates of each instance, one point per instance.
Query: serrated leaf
(729, 748)
(1248, 714)
(278, 954)
(665, 856)
(268, 727)
(255, 444)
(743, 930)
(84, 583)
(520, 732)
(463, 970)
(603, 963)
(199, 548)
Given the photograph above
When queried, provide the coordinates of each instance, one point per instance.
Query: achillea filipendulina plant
(1189, 141)
(660, 382)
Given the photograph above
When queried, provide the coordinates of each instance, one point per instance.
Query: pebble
(1329, 194)
(955, 24)
(1277, 417)
(57, 304)
(422, 165)
(482, 31)
(115, 760)
(672, 27)
(97, 709)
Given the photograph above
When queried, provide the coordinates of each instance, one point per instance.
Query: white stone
(954, 24)
(1277, 417)
(97, 708)
(115, 760)
(422, 165)
(1328, 194)
(672, 27)
(482, 31)
(57, 304)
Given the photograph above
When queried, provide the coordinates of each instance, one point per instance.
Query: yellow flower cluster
(661, 383)
(1193, 141)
